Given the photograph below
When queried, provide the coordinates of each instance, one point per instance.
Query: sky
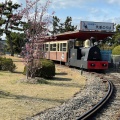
(84, 10)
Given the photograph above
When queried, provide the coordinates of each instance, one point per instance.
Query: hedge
(6, 64)
(47, 70)
(116, 50)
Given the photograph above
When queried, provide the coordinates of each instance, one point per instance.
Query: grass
(20, 100)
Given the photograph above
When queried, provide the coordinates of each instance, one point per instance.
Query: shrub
(47, 70)
(6, 64)
(116, 50)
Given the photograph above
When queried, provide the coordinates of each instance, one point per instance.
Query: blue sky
(88, 10)
(84, 10)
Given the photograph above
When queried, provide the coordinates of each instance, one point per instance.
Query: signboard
(62, 56)
(98, 26)
(106, 55)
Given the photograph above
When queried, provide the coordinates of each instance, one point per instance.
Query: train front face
(94, 60)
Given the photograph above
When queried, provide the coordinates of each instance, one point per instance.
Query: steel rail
(99, 104)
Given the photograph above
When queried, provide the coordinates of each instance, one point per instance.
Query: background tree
(10, 19)
(56, 21)
(68, 24)
(118, 28)
(62, 28)
(116, 36)
(17, 41)
(110, 43)
(2, 47)
(59, 27)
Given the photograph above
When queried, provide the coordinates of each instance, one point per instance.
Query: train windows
(53, 47)
(63, 46)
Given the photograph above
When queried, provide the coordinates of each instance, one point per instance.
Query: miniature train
(73, 53)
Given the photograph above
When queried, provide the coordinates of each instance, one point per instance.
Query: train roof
(83, 35)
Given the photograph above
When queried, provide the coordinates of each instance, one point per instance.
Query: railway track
(111, 111)
(86, 104)
(99, 104)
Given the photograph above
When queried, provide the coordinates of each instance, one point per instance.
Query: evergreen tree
(116, 36)
(59, 27)
(68, 26)
(56, 21)
(62, 28)
(118, 28)
(9, 20)
(17, 41)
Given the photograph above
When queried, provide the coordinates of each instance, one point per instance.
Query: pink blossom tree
(36, 30)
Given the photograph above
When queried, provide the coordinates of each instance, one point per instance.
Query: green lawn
(19, 100)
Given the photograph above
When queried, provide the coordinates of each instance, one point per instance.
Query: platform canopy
(83, 35)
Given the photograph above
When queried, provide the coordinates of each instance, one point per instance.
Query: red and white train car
(56, 50)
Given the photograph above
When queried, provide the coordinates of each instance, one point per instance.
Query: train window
(60, 46)
(79, 42)
(53, 47)
(63, 46)
(71, 44)
(64, 49)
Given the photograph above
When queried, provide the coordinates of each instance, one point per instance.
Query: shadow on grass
(8, 95)
(61, 79)
(18, 72)
(51, 82)
(75, 85)
(17, 60)
(62, 73)
(39, 80)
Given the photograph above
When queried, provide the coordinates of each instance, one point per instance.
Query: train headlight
(92, 64)
(104, 65)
